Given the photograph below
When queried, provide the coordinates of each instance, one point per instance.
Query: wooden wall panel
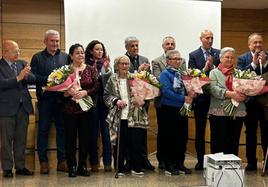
(237, 40)
(25, 21)
(265, 26)
(242, 20)
(29, 36)
(31, 11)
(26, 54)
(1, 28)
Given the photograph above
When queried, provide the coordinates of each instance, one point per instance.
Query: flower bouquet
(60, 79)
(193, 80)
(246, 82)
(144, 86)
(63, 79)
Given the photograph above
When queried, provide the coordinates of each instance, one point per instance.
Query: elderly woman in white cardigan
(124, 111)
(225, 129)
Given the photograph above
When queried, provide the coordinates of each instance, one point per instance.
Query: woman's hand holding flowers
(239, 97)
(80, 94)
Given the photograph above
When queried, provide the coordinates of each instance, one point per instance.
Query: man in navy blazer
(15, 107)
(204, 58)
(255, 60)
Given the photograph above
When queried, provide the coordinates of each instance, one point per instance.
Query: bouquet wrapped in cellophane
(144, 86)
(248, 83)
(65, 78)
(193, 80)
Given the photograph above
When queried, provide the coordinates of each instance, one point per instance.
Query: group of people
(225, 130)
(114, 113)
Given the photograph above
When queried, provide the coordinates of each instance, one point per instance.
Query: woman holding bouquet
(75, 119)
(124, 111)
(225, 129)
(175, 131)
(96, 56)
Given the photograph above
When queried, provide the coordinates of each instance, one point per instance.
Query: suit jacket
(244, 63)
(13, 93)
(159, 64)
(197, 59)
(141, 60)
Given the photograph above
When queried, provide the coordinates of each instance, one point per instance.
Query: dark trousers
(76, 124)
(13, 139)
(225, 134)
(175, 132)
(135, 148)
(123, 145)
(160, 139)
(101, 126)
(201, 107)
(143, 135)
(50, 110)
(255, 114)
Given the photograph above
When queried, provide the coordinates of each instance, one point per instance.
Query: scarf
(97, 64)
(178, 85)
(228, 72)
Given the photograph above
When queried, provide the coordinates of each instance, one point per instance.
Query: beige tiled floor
(102, 178)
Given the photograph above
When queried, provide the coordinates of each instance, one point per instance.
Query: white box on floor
(223, 170)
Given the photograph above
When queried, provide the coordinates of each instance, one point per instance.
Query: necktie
(135, 63)
(206, 55)
(14, 68)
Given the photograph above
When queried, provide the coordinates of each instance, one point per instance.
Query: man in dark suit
(204, 58)
(139, 63)
(15, 107)
(255, 60)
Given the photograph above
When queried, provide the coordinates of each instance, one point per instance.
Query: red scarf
(228, 72)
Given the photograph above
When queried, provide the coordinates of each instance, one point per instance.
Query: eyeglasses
(229, 57)
(177, 59)
(124, 64)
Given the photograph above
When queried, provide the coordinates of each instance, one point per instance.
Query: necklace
(81, 67)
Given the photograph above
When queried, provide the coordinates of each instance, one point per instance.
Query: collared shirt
(254, 66)
(204, 52)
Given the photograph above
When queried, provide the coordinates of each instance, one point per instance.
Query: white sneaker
(138, 173)
(121, 174)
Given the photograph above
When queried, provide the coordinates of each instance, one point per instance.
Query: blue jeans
(100, 124)
(48, 110)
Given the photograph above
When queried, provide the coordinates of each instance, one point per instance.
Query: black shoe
(7, 173)
(251, 167)
(162, 165)
(184, 169)
(82, 171)
(148, 166)
(24, 171)
(72, 171)
(199, 166)
(170, 169)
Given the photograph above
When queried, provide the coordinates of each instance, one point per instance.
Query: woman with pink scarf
(225, 129)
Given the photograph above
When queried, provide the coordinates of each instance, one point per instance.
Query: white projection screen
(111, 21)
